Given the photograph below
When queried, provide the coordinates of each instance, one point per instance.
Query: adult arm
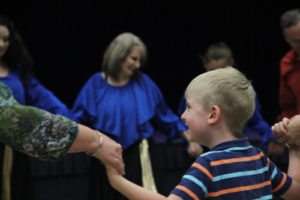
(287, 131)
(293, 171)
(41, 134)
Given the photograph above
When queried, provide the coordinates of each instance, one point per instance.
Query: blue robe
(35, 94)
(125, 113)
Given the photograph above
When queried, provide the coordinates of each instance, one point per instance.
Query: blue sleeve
(182, 105)
(39, 96)
(84, 108)
(165, 118)
(258, 124)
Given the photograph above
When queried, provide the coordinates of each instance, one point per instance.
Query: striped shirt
(232, 170)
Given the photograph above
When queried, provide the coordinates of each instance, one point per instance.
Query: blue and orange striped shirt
(233, 170)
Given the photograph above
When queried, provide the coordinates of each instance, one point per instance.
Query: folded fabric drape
(147, 174)
(6, 173)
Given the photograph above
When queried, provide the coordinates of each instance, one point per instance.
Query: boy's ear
(215, 113)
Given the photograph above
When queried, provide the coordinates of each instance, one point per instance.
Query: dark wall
(67, 40)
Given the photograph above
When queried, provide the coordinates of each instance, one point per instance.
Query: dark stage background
(67, 40)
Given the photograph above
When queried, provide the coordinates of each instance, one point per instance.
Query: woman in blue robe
(31, 178)
(127, 105)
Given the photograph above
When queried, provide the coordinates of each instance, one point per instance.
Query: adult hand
(280, 131)
(111, 153)
(288, 131)
(294, 131)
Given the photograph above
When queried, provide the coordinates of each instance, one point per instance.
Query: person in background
(128, 106)
(30, 178)
(289, 86)
(289, 74)
(219, 55)
(219, 103)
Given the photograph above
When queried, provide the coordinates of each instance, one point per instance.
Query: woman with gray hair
(124, 103)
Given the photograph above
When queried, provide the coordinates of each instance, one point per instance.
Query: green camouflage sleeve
(33, 131)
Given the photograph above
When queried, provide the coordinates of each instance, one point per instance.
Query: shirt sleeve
(165, 118)
(33, 131)
(280, 180)
(195, 183)
(84, 108)
(182, 106)
(258, 124)
(39, 96)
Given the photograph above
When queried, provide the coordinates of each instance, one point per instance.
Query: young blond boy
(219, 103)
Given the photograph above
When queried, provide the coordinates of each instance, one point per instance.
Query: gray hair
(290, 18)
(118, 50)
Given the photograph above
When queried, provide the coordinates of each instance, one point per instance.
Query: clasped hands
(287, 132)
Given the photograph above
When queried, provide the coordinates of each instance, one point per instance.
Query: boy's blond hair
(229, 89)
